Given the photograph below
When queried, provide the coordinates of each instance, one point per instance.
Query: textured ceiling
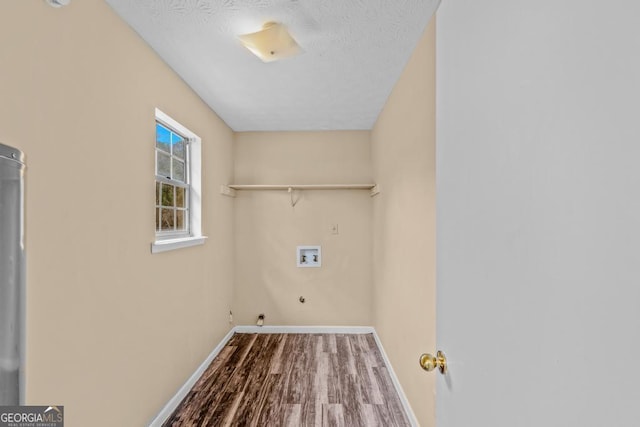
(354, 52)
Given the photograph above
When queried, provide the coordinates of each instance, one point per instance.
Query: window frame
(169, 240)
(186, 184)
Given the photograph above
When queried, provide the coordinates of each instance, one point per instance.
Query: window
(172, 183)
(177, 189)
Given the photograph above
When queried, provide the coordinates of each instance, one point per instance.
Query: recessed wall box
(309, 256)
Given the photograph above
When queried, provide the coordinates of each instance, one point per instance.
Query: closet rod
(302, 186)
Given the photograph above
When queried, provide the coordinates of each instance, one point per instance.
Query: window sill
(171, 244)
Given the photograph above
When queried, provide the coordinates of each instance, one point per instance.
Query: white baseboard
(394, 379)
(304, 329)
(182, 392)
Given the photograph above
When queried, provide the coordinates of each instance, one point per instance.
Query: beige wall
(403, 152)
(268, 229)
(113, 331)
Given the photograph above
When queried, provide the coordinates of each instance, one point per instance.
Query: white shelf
(230, 190)
(259, 187)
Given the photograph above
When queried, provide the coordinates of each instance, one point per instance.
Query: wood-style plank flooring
(294, 380)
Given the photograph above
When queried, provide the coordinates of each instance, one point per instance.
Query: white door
(538, 212)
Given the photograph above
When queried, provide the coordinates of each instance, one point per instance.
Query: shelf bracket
(225, 190)
(293, 202)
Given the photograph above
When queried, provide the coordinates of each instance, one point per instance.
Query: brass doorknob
(429, 362)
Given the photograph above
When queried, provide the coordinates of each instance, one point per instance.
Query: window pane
(178, 170)
(163, 138)
(157, 219)
(168, 219)
(180, 196)
(163, 164)
(180, 223)
(167, 195)
(157, 193)
(178, 143)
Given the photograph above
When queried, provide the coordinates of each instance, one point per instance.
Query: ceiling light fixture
(272, 43)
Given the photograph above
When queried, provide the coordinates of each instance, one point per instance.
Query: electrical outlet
(334, 229)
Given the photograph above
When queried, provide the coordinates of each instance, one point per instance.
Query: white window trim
(195, 172)
(171, 244)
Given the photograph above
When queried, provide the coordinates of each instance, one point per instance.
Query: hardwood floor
(294, 380)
